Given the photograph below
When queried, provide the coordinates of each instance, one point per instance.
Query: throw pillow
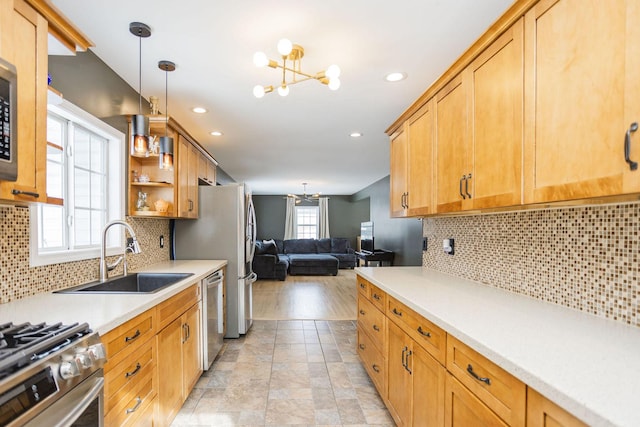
(339, 245)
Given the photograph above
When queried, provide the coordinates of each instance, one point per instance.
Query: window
(306, 222)
(85, 188)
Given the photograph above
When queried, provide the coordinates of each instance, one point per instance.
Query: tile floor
(287, 372)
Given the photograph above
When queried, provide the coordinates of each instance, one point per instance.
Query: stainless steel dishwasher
(212, 317)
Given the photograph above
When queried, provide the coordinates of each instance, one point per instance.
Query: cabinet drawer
(130, 335)
(499, 390)
(172, 308)
(462, 408)
(129, 410)
(378, 297)
(428, 335)
(373, 361)
(124, 374)
(372, 322)
(363, 286)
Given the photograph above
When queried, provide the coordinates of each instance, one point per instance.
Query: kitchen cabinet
(206, 169)
(479, 130)
(581, 97)
(463, 408)
(179, 352)
(541, 412)
(130, 372)
(23, 43)
(188, 157)
(398, 178)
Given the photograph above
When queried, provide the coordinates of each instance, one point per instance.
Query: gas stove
(40, 364)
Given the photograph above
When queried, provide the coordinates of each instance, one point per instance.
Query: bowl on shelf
(161, 205)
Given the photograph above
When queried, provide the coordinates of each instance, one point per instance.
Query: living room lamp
(166, 142)
(140, 122)
(294, 53)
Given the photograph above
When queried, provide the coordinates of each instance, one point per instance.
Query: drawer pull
(363, 286)
(404, 353)
(135, 371)
(461, 193)
(466, 186)
(423, 332)
(133, 337)
(25, 193)
(396, 312)
(362, 346)
(627, 146)
(375, 368)
(376, 297)
(485, 380)
(376, 328)
(406, 366)
(362, 312)
(135, 408)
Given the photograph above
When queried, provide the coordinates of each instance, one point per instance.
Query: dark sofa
(275, 258)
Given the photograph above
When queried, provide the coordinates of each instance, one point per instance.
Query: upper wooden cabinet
(188, 157)
(582, 90)
(206, 169)
(23, 43)
(398, 178)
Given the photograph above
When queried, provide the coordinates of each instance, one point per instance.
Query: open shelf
(152, 184)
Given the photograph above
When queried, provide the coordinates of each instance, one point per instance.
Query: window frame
(316, 209)
(115, 203)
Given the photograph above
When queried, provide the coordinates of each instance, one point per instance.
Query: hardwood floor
(306, 298)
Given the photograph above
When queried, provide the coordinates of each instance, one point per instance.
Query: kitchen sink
(136, 283)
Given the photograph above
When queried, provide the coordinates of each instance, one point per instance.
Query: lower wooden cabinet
(415, 382)
(541, 412)
(463, 408)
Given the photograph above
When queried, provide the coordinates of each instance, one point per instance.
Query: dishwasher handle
(215, 278)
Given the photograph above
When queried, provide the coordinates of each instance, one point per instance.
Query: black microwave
(8, 126)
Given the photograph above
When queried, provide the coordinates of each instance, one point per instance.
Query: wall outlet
(161, 242)
(448, 246)
(424, 243)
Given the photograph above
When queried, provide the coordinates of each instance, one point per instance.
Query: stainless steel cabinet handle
(485, 380)
(135, 371)
(627, 146)
(135, 408)
(25, 193)
(423, 332)
(466, 185)
(132, 337)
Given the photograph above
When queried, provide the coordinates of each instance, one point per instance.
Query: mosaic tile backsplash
(585, 258)
(18, 280)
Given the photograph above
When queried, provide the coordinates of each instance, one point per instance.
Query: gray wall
(345, 216)
(401, 235)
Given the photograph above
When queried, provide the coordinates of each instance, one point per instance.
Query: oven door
(81, 406)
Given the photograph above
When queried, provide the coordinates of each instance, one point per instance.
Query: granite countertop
(103, 312)
(586, 364)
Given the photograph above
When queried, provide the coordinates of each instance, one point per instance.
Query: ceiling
(276, 143)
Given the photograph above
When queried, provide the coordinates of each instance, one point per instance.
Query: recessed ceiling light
(395, 76)
(199, 110)
(216, 133)
(355, 134)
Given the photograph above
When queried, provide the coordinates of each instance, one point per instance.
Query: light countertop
(586, 364)
(103, 312)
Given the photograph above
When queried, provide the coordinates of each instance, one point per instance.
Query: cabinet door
(212, 172)
(428, 388)
(398, 173)
(420, 162)
(399, 379)
(451, 142)
(203, 170)
(463, 409)
(194, 156)
(191, 354)
(542, 412)
(185, 203)
(581, 94)
(495, 102)
(169, 343)
(23, 43)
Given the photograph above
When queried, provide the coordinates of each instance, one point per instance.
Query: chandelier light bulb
(258, 91)
(283, 90)
(333, 72)
(284, 47)
(260, 59)
(334, 84)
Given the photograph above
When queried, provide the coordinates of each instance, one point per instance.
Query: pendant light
(140, 122)
(166, 142)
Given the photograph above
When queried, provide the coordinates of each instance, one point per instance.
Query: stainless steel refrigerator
(225, 229)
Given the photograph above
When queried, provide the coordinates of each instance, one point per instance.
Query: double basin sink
(136, 283)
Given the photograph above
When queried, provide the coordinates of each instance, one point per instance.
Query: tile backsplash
(19, 280)
(585, 258)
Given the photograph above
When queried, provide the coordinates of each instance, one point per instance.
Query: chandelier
(293, 53)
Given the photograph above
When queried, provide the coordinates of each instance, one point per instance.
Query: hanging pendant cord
(166, 102)
(139, 75)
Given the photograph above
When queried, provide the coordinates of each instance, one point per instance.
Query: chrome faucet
(132, 246)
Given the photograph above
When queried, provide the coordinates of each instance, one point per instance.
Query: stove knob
(69, 369)
(97, 352)
(84, 360)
